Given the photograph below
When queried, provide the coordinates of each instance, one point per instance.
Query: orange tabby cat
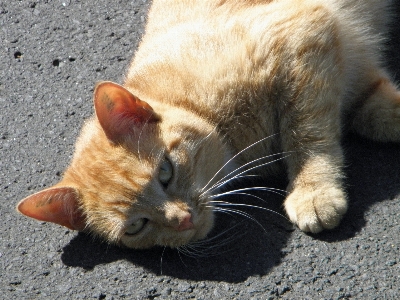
(210, 82)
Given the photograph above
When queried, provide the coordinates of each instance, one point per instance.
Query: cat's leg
(311, 133)
(376, 115)
(311, 121)
(310, 126)
(316, 199)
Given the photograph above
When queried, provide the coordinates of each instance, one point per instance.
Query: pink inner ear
(57, 205)
(119, 111)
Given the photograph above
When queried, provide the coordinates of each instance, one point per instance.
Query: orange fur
(211, 78)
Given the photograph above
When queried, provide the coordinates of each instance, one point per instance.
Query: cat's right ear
(59, 205)
(119, 111)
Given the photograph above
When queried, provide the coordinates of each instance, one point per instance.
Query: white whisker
(243, 172)
(192, 252)
(243, 166)
(161, 260)
(218, 209)
(232, 158)
(241, 213)
(255, 188)
(207, 136)
(196, 144)
(201, 242)
(207, 251)
(180, 257)
(206, 248)
(224, 203)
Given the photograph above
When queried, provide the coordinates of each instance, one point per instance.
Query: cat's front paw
(314, 210)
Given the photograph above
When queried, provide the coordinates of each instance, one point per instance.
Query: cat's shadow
(373, 175)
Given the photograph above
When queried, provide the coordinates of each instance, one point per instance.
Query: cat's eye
(165, 173)
(136, 226)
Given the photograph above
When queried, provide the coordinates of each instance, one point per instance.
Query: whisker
(205, 245)
(224, 203)
(243, 172)
(218, 209)
(246, 164)
(243, 214)
(161, 260)
(255, 188)
(204, 251)
(204, 248)
(196, 144)
(187, 252)
(233, 157)
(151, 154)
(207, 136)
(190, 252)
(246, 194)
(236, 177)
(179, 254)
(215, 236)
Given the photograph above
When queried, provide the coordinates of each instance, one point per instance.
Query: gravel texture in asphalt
(52, 54)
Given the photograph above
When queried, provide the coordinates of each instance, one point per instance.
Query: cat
(216, 91)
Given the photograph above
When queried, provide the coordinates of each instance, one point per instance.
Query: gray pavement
(52, 53)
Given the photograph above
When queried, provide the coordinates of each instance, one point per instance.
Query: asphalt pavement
(51, 55)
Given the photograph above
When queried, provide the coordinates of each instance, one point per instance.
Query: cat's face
(148, 191)
(144, 186)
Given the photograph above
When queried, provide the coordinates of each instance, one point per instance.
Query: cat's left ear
(119, 111)
(57, 204)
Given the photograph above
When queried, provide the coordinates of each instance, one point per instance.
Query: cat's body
(213, 78)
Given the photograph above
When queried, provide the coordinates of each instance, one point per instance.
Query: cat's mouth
(203, 226)
(198, 230)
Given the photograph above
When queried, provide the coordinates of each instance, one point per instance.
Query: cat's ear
(58, 205)
(119, 111)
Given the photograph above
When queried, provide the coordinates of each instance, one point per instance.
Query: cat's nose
(185, 223)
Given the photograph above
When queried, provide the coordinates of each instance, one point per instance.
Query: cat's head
(138, 174)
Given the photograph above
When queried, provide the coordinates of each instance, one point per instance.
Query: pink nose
(185, 224)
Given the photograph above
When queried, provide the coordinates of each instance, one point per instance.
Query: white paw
(314, 210)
